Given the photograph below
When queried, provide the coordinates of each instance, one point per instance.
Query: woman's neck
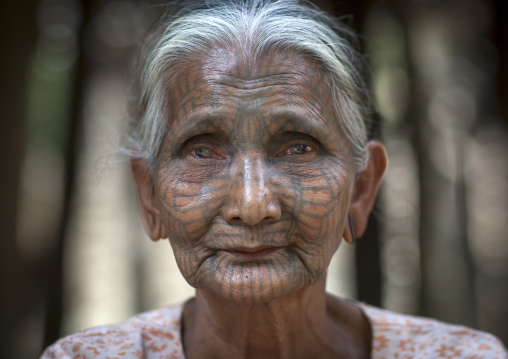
(303, 324)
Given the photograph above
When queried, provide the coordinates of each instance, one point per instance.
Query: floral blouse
(156, 335)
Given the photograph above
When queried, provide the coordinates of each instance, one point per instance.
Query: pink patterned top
(156, 334)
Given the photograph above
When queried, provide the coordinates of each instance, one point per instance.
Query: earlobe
(366, 188)
(349, 234)
(147, 202)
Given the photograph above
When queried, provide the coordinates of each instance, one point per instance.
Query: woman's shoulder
(417, 337)
(156, 332)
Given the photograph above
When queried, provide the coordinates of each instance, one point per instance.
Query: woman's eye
(299, 149)
(202, 153)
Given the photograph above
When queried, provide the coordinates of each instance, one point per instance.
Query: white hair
(265, 25)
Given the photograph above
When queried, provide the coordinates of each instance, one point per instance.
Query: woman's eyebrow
(209, 119)
(302, 121)
(197, 124)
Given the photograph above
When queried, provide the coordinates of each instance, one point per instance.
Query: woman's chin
(255, 282)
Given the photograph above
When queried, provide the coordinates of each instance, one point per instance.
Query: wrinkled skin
(253, 157)
(253, 185)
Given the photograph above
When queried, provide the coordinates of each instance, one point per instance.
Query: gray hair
(268, 24)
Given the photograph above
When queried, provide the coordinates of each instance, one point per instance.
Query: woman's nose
(251, 199)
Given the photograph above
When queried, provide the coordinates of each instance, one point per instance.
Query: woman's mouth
(252, 253)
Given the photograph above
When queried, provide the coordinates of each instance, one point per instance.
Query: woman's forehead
(248, 64)
(229, 83)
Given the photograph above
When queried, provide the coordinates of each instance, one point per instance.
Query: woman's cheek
(177, 201)
(317, 197)
(189, 206)
(317, 223)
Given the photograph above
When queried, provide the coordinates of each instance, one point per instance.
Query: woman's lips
(248, 253)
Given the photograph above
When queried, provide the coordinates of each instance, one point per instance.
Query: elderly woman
(251, 154)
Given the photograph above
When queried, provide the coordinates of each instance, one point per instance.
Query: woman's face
(254, 177)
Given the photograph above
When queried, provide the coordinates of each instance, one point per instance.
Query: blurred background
(73, 251)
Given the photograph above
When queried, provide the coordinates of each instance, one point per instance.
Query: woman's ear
(365, 190)
(147, 202)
